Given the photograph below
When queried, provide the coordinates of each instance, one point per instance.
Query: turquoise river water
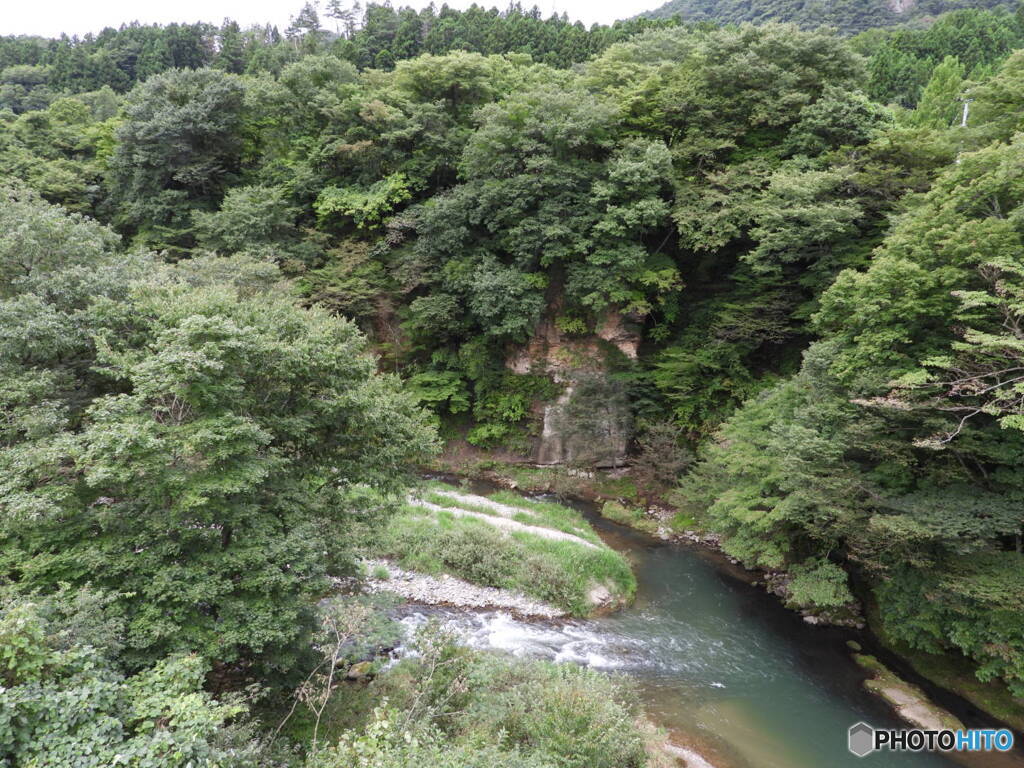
(721, 664)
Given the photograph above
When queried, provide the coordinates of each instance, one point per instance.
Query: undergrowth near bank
(448, 706)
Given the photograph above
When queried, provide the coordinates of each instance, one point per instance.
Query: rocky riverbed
(451, 591)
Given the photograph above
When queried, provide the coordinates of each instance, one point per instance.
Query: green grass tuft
(631, 516)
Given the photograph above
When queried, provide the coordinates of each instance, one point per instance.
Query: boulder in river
(360, 670)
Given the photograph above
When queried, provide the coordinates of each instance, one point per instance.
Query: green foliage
(350, 283)
(177, 151)
(995, 110)
(449, 706)
(945, 240)
(577, 716)
(718, 234)
(62, 151)
(840, 118)
(463, 198)
(383, 744)
(547, 186)
(634, 518)
(819, 584)
(898, 442)
(662, 455)
(366, 208)
(249, 217)
(39, 241)
(972, 606)
(792, 216)
(35, 69)
(939, 105)
(206, 426)
(712, 366)
(502, 404)
(66, 702)
(904, 59)
(849, 16)
(440, 389)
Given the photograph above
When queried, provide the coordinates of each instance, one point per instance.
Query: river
(721, 664)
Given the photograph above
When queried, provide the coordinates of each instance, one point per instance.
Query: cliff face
(590, 421)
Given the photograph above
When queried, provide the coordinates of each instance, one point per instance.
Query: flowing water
(720, 664)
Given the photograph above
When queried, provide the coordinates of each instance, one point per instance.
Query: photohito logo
(862, 739)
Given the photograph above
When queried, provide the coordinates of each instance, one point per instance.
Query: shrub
(662, 456)
(528, 712)
(385, 744)
(819, 583)
(66, 705)
(480, 554)
(578, 717)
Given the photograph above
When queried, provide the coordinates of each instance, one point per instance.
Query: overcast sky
(76, 17)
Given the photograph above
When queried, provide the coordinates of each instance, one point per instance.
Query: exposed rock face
(551, 447)
(901, 6)
(589, 422)
(616, 330)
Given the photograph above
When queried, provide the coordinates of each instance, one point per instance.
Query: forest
(847, 16)
(252, 282)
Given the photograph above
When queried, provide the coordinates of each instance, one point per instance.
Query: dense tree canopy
(178, 149)
(183, 442)
(899, 440)
(848, 16)
(245, 274)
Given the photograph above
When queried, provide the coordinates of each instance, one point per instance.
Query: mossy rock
(361, 670)
(908, 700)
(634, 518)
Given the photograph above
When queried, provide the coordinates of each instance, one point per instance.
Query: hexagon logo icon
(861, 739)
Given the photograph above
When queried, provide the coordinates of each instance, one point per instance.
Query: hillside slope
(848, 16)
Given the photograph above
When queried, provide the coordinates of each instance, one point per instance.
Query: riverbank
(431, 509)
(720, 666)
(617, 498)
(908, 700)
(952, 673)
(446, 590)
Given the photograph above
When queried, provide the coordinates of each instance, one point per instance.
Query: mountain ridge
(848, 16)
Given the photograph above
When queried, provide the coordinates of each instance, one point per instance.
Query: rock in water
(360, 670)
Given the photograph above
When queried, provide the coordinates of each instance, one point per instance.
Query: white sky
(52, 17)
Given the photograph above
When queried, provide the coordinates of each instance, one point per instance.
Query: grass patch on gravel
(560, 572)
(539, 513)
